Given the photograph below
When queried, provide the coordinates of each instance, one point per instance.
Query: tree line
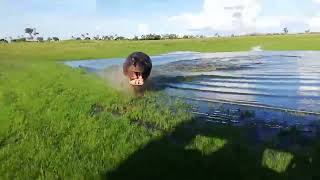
(34, 36)
(116, 37)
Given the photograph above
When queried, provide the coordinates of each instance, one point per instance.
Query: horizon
(128, 18)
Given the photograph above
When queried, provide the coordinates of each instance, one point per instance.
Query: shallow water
(280, 88)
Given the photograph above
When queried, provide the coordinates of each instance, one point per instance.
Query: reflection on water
(282, 87)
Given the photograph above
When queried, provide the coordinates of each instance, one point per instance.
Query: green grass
(68, 50)
(57, 122)
(278, 161)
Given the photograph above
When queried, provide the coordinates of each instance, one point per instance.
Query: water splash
(256, 49)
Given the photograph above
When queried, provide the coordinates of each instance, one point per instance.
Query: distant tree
(105, 37)
(200, 36)
(173, 36)
(135, 38)
(35, 33)
(157, 37)
(307, 31)
(78, 38)
(49, 39)
(86, 36)
(187, 36)
(3, 41)
(19, 40)
(120, 38)
(40, 39)
(29, 31)
(170, 36)
(285, 30)
(109, 37)
(32, 32)
(97, 37)
(55, 38)
(151, 37)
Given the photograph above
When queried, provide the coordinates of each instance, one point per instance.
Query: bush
(3, 41)
(120, 38)
(170, 36)
(55, 39)
(188, 37)
(151, 37)
(40, 39)
(19, 40)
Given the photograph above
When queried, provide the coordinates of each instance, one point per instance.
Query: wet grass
(57, 122)
(66, 123)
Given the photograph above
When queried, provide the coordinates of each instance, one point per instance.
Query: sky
(66, 18)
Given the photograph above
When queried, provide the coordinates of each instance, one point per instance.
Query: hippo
(137, 68)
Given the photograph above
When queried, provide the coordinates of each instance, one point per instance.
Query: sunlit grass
(275, 160)
(66, 123)
(206, 145)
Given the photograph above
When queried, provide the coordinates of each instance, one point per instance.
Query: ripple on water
(264, 81)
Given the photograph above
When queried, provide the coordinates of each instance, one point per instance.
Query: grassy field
(57, 122)
(107, 49)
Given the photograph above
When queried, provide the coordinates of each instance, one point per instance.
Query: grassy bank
(58, 122)
(67, 50)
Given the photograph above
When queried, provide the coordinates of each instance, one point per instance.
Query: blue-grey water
(275, 88)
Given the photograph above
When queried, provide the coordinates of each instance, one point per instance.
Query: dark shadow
(240, 158)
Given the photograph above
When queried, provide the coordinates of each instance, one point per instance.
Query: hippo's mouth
(136, 79)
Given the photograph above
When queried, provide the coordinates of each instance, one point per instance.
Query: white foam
(256, 49)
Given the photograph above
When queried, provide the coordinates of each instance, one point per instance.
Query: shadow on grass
(195, 150)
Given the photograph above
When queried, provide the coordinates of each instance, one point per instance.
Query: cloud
(143, 29)
(241, 17)
(314, 23)
(224, 15)
(316, 1)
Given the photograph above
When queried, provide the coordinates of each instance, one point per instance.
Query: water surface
(277, 89)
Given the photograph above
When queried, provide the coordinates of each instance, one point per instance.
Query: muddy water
(269, 89)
